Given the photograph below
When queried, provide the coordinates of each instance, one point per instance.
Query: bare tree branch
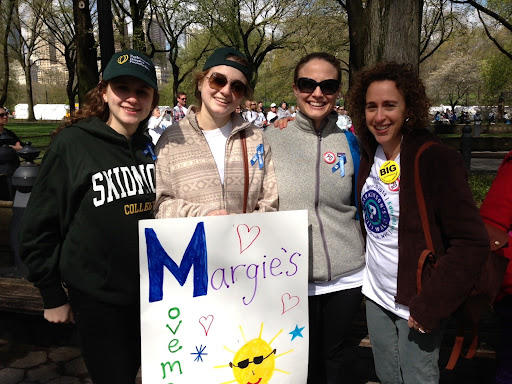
(496, 43)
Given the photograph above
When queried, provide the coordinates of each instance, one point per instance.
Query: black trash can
(23, 180)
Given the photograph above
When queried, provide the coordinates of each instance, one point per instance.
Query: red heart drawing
(289, 302)
(247, 235)
(206, 323)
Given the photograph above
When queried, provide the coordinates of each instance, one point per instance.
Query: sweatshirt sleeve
(42, 229)
(268, 198)
(464, 236)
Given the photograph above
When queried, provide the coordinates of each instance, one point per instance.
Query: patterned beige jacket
(187, 179)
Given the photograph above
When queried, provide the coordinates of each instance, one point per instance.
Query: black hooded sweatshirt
(80, 225)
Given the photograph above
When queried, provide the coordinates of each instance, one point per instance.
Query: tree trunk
(139, 41)
(27, 68)
(175, 80)
(106, 31)
(70, 91)
(384, 30)
(5, 86)
(87, 66)
(501, 108)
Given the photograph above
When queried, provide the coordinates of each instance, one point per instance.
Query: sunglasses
(218, 81)
(183, 98)
(328, 87)
(4, 114)
(245, 363)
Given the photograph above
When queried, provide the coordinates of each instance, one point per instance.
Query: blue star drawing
(297, 332)
(199, 352)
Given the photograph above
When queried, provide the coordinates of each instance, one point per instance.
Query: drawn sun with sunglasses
(255, 361)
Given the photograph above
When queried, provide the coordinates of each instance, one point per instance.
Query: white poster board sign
(224, 299)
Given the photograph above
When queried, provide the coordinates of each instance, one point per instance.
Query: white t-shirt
(157, 126)
(217, 139)
(344, 122)
(259, 120)
(271, 115)
(350, 280)
(250, 116)
(381, 211)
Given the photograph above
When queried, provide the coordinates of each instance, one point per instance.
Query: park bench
(19, 295)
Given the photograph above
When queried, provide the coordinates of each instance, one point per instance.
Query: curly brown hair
(94, 105)
(409, 85)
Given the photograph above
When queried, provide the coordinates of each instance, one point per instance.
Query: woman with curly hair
(79, 229)
(390, 110)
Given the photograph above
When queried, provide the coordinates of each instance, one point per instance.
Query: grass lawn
(480, 183)
(38, 133)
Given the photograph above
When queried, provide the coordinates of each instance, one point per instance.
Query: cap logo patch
(139, 61)
(122, 59)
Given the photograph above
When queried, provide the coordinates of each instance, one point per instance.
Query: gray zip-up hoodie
(305, 180)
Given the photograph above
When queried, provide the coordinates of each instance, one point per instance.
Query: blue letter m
(195, 254)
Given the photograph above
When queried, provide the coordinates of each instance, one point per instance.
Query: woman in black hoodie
(79, 230)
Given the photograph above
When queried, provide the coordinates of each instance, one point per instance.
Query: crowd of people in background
(251, 111)
(262, 117)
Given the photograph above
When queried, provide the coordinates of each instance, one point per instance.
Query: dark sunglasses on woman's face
(218, 81)
(4, 114)
(328, 87)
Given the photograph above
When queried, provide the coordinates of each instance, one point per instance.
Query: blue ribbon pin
(149, 149)
(340, 164)
(258, 156)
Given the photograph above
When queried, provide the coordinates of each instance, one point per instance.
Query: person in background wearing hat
(202, 167)
(272, 114)
(79, 229)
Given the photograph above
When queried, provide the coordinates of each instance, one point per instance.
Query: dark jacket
(459, 236)
(10, 138)
(80, 225)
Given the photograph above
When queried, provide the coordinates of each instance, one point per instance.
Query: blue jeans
(401, 354)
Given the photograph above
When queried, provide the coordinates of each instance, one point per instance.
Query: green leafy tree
(177, 20)
(25, 41)
(7, 8)
(454, 81)
(86, 56)
(495, 17)
(255, 27)
(136, 10)
(497, 75)
(58, 18)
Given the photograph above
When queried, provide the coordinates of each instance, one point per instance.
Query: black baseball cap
(131, 63)
(218, 57)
